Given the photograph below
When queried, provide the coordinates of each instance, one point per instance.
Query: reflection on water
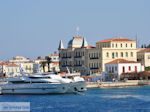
(129, 99)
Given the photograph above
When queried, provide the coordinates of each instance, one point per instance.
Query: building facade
(9, 69)
(143, 56)
(26, 64)
(81, 57)
(116, 67)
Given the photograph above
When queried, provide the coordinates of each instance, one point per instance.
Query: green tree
(43, 64)
(148, 46)
(142, 46)
(39, 57)
(49, 60)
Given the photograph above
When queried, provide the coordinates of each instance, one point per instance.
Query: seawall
(118, 84)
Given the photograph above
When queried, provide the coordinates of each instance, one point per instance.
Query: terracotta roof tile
(8, 64)
(52, 55)
(121, 61)
(89, 47)
(115, 39)
(144, 50)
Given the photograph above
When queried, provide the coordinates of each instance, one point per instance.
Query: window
(116, 54)
(112, 45)
(123, 69)
(107, 54)
(126, 45)
(135, 68)
(131, 45)
(131, 54)
(121, 54)
(115, 68)
(121, 45)
(113, 55)
(12, 70)
(116, 45)
(126, 54)
(149, 57)
(112, 69)
(129, 68)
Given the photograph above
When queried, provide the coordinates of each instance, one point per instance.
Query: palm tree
(49, 60)
(43, 64)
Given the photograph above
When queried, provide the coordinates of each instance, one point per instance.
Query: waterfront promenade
(118, 84)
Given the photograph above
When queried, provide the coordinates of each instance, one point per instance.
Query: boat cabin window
(40, 77)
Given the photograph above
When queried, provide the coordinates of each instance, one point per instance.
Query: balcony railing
(77, 65)
(77, 56)
(94, 68)
(94, 57)
(66, 57)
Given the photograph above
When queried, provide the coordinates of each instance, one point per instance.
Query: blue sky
(34, 27)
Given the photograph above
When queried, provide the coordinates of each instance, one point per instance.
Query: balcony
(66, 66)
(77, 56)
(94, 68)
(94, 58)
(66, 57)
(77, 65)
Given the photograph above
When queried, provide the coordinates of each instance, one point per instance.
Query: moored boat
(42, 84)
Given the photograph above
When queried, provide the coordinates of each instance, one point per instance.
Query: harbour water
(126, 99)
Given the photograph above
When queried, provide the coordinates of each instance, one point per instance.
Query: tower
(84, 43)
(61, 46)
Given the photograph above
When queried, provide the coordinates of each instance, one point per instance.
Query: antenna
(77, 30)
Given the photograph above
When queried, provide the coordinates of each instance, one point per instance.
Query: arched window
(126, 54)
(116, 54)
(121, 45)
(112, 45)
(116, 45)
(131, 54)
(121, 54)
(107, 54)
(113, 55)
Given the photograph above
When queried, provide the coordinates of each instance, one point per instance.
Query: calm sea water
(129, 99)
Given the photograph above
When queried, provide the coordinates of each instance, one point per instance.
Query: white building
(115, 68)
(143, 56)
(26, 64)
(54, 57)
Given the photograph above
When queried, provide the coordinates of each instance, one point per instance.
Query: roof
(98, 73)
(8, 64)
(144, 50)
(77, 42)
(55, 62)
(115, 39)
(89, 47)
(63, 73)
(121, 61)
(53, 55)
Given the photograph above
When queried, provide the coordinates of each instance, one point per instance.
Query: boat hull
(48, 88)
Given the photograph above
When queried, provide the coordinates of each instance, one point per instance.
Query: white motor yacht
(42, 84)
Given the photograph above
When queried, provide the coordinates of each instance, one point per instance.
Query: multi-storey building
(78, 56)
(26, 64)
(9, 69)
(53, 65)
